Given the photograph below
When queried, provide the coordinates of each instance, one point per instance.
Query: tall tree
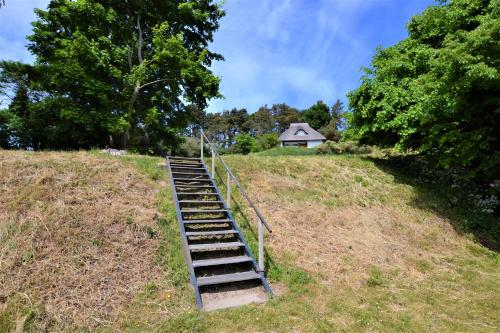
(236, 122)
(436, 92)
(223, 127)
(21, 125)
(261, 121)
(332, 130)
(197, 119)
(121, 71)
(284, 115)
(317, 115)
(215, 127)
(337, 114)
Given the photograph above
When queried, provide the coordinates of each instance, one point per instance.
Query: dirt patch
(77, 235)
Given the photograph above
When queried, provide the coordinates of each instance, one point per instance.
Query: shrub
(266, 141)
(244, 144)
(331, 132)
(347, 147)
(323, 148)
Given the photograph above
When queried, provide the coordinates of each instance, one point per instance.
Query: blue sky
(292, 51)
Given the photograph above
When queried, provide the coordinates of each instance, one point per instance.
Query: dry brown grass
(74, 236)
(338, 219)
(382, 253)
(75, 251)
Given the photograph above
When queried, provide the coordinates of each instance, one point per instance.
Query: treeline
(437, 92)
(110, 73)
(134, 76)
(224, 127)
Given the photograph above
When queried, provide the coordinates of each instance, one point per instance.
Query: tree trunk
(137, 88)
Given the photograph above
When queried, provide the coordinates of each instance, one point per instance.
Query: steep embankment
(75, 239)
(341, 215)
(385, 250)
(91, 241)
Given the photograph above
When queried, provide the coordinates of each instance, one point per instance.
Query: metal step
(186, 168)
(211, 233)
(176, 164)
(192, 180)
(184, 158)
(215, 246)
(201, 201)
(199, 211)
(194, 186)
(197, 193)
(206, 221)
(199, 165)
(190, 173)
(221, 261)
(227, 278)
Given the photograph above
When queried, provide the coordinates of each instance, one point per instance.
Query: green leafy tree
(244, 144)
(236, 122)
(332, 130)
(223, 127)
(4, 130)
(261, 121)
(284, 115)
(266, 141)
(197, 119)
(119, 72)
(21, 125)
(337, 114)
(317, 115)
(436, 92)
(215, 128)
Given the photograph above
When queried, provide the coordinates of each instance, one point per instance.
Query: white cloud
(271, 23)
(299, 51)
(284, 52)
(15, 25)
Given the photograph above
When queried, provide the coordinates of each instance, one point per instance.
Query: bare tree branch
(152, 82)
(130, 57)
(139, 39)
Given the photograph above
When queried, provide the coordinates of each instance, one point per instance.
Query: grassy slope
(354, 248)
(77, 239)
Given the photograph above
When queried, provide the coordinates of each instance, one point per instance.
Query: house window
(295, 144)
(301, 133)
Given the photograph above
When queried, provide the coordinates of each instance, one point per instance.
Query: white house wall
(312, 144)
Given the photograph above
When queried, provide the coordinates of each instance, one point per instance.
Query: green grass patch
(287, 151)
(376, 278)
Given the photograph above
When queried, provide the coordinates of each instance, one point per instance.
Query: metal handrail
(243, 191)
(237, 183)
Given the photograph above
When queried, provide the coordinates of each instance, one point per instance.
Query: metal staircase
(215, 250)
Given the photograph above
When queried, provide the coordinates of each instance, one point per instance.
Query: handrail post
(228, 190)
(201, 144)
(261, 246)
(213, 163)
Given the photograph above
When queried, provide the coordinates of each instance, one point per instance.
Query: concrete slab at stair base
(230, 296)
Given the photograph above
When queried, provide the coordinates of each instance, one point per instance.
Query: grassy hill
(90, 242)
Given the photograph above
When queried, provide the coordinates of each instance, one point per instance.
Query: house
(301, 135)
